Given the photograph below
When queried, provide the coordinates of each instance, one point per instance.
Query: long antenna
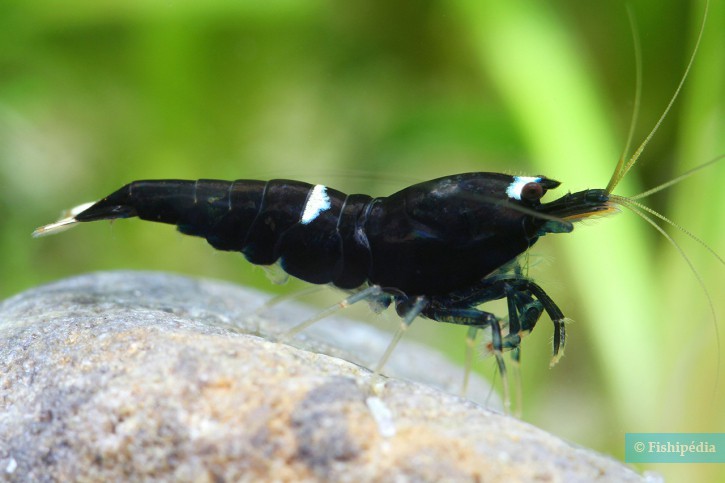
(637, 91)
(677, 179)
(622, 169)
(640, 210)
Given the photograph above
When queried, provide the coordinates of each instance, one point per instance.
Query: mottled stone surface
(118, 376)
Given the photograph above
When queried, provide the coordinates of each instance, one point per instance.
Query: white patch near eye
(514, 189)
(317, 202)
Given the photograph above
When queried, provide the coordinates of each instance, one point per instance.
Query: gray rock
(118, 376)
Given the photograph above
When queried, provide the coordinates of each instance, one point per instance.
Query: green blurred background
(368, 96)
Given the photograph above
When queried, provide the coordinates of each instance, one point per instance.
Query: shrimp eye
(532, 191)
